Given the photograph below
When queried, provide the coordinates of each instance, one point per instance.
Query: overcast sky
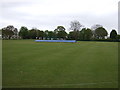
(48, 14)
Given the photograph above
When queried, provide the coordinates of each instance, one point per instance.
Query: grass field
(30, 64)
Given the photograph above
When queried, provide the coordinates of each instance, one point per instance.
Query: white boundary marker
(80, 84)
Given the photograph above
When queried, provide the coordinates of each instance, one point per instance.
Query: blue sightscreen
(55, 40)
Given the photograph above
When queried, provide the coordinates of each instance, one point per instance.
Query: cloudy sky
(48, 14)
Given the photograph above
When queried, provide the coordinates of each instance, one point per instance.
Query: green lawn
(59, 65)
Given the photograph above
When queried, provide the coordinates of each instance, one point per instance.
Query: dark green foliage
(32, 33)
(41, 34)
(100, 33)
(96, 33)
(0, 32)
(75, 26)
(60, 28)
(24, 32)
(8, 32)
(50, 35)
(86, 34)
(94, 27)
(60, 32)
(74, 35)
(118, 36)
(46, 34)
(113, 34)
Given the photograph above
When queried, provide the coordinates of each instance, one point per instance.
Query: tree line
(77, 32)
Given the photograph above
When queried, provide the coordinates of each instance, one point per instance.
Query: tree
(118, 37)
(32, 33)
(75, 25)
(60, 28)
(41, 34)
(46, 34)
(113, 34)
(12, 31)
(8, 32)
(50, 35)
(100, 33)
(82, 34)
(37, 33)
(74, 35)
(86, 34)
(23, 32)
(71, 35)
(0, 34)
(15, 31)
(94, 27)
(60, 32)
(55, 34)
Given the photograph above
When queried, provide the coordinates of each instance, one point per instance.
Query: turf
(30, 64)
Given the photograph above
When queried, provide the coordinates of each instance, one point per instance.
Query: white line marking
(64, 84)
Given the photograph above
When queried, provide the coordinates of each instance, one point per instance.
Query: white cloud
(46, 14)
(98, 7)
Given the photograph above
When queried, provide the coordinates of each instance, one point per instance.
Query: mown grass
(60, 65)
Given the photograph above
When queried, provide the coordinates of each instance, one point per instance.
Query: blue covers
(55, 40)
